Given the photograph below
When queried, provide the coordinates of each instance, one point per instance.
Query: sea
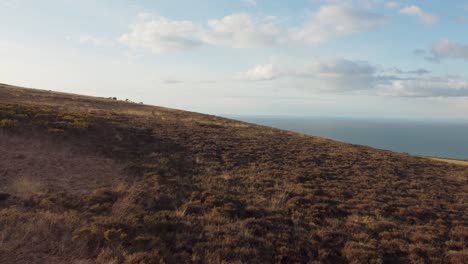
(437, 138)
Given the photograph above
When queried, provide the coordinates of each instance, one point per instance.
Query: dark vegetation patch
(141, 184)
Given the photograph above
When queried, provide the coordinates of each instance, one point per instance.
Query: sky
(355, 58)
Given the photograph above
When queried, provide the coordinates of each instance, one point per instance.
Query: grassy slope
(105, 181)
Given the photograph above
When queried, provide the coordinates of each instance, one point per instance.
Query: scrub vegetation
(96, 180)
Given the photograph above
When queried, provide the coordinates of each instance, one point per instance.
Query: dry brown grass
(35, 164)
(93, 180)
(39, 237)
(452, 161)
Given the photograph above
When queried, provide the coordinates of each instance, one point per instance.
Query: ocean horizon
(428, 137)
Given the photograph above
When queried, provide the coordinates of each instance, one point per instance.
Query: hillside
(96, 180)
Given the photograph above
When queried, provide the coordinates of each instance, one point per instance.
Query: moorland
(100, 180)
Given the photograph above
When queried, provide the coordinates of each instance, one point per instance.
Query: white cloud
(160, 34)
(259, 73)
(334, 21)
(250, 2)
(422, 15)
(449, 49)
(242, 31)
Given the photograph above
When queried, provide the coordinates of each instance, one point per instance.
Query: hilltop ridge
(97, 180)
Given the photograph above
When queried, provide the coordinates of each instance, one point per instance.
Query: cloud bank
(243, 30)
(348, 76)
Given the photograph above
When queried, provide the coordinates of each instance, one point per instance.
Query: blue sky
(357, 58)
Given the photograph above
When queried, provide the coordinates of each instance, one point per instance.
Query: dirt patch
(33, 165)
